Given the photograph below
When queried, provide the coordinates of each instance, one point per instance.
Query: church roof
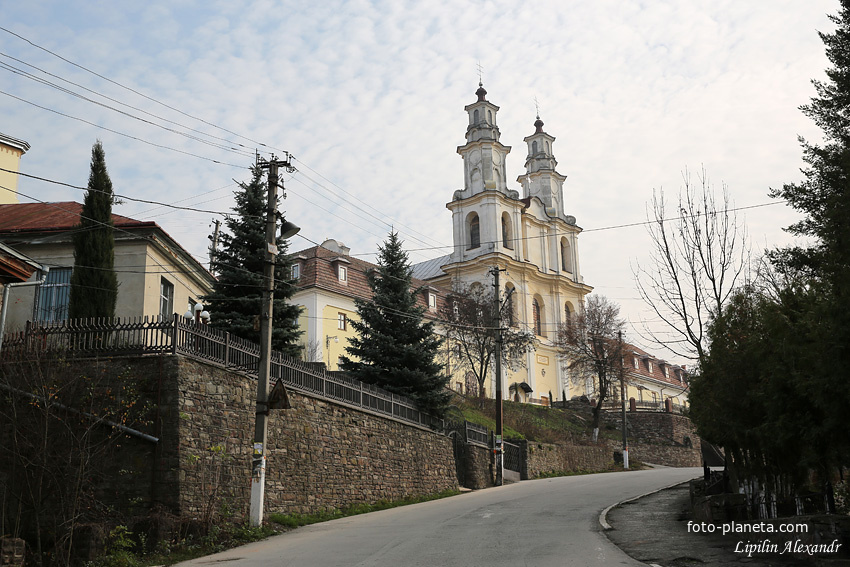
(430, 269)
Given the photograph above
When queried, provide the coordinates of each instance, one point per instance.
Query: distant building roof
(14, 142)
(430, 269)
(48, 217)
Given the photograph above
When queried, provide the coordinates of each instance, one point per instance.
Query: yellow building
(156, 276)
(11, 150)
(329, 280)
(527, 235)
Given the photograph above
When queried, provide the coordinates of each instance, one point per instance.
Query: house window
(538, 324)
(637, 366)
(54, 294)
(341, 321)
(296, 271)
(166, 299)
(666, 372)
(432, 301)
(474, 232)
(649, 366)
(342, 273)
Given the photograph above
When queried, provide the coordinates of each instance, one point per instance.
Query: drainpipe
(6, 287)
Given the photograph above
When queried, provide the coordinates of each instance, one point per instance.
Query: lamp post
(198, 314)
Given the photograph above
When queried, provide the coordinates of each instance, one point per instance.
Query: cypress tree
(237, 298)
(394, 347)
(94, 284)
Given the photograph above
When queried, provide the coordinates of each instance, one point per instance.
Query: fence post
(226, 349)
(174, 334)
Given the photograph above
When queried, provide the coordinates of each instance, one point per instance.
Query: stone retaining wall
(546, 458)
(321, 455)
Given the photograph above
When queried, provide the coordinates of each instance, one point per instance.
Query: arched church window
(474, 231)
(568, 314)
(475, 116)
(507, 236)
(534, 148)
(489, 117)
(537, 315)
(509, 305)
(566, 257)
(548, 151)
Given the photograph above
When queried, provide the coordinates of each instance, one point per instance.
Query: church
(529, 236)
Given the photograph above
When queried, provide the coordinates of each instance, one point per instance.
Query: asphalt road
(537, 523)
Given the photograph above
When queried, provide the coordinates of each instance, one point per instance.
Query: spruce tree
(394, 347)
(237, 298)
(94, 284)
(824, 199)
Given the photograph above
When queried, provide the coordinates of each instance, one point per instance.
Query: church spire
(541, 180)
(483, 155)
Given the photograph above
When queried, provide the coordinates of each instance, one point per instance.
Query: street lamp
(198, 313)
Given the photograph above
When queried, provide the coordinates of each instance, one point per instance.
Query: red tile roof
(657, 373)
(48, 217)
(319, 269)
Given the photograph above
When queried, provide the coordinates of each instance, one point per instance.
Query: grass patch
(123, 546)
(298, 520)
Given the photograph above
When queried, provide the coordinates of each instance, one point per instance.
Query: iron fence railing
(477, 434)
(88, 337)
(512, 456)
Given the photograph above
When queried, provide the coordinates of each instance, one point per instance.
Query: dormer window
(649, 366)
(665, 371)
(432, 301)
(340, 265)
(637, 364)
(296, 271)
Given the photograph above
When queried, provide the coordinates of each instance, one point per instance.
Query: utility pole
(261, 424)
(500, 461)
(623, 400)
(214, 242)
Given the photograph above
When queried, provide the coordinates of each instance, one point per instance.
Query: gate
(512, 461)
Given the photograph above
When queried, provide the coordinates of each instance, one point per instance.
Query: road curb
(603, 516)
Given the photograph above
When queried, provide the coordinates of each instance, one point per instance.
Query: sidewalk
(653, 529)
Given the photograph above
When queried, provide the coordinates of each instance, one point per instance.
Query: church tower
(483, 155)
(540, 179)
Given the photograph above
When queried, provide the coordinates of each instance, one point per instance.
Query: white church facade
(528, 235)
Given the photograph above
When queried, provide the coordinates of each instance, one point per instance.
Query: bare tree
(698, 255)
(590, 343)
(470, 320)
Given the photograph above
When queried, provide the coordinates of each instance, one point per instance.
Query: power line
(133, 90)
(32, 77)
(84, 121)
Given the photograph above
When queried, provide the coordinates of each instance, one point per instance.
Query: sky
(368, 97)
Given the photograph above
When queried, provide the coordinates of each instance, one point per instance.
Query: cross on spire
(537, 107)
(480, 74)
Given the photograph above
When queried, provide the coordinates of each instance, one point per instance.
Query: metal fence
(90, 337)
(512, 456)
